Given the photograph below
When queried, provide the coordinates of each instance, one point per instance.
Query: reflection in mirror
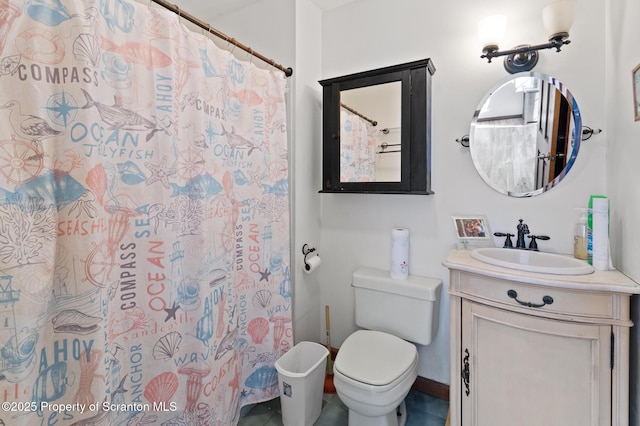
(370, 133)
(525, 134)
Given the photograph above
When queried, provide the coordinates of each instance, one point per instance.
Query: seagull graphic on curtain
(28, 126)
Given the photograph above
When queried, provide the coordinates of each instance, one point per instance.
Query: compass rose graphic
(62, 108)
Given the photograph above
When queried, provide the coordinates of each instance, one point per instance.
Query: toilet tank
(406, 308)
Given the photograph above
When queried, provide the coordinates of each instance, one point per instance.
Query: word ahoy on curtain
(144, 219)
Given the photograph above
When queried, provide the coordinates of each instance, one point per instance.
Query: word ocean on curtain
(144, 219)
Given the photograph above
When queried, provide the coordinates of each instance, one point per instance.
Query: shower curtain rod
(353, 111)
(175, 9)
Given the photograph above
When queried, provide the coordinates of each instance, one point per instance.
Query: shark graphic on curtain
(144, 219)
(357, 149)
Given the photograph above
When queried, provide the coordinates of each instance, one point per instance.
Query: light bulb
(491, 30)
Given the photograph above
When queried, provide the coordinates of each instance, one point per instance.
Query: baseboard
(431, 387)
(422, 384)
(333, 353)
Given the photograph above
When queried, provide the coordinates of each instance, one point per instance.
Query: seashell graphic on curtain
(144, 219)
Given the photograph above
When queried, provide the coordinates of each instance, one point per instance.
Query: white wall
(355, 229)
(273, 37)
(623, 151)
(623, 144)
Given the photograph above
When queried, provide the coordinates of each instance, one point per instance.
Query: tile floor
(423, 410)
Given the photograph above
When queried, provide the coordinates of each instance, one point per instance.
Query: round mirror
(525, 134)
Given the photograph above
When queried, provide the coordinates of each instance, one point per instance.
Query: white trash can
(301, 373)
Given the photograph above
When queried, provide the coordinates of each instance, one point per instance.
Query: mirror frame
(415, 139)
(575, 136)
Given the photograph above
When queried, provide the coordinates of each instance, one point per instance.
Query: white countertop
(611, 281)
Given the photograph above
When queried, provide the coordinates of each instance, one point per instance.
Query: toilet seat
(375, 358)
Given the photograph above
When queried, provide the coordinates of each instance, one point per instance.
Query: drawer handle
(546, 300)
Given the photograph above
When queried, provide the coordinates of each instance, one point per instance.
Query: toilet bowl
(377, 365)
(373, 373)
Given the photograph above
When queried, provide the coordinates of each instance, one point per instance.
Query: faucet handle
(507, 242)
(533, 245)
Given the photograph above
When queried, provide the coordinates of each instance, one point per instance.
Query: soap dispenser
(581, 236)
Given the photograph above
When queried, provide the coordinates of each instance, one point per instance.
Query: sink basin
(532, 261)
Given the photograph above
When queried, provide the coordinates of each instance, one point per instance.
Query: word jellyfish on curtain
(357, 148)
(144, 220)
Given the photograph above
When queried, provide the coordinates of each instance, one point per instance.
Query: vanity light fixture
(556, 18)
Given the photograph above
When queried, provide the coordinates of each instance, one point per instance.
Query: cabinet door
(531, 371)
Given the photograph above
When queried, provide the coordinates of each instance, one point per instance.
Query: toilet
(377, 365)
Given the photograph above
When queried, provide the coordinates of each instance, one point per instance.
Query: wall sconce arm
(492, 51)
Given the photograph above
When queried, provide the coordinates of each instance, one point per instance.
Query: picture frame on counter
(472, 231)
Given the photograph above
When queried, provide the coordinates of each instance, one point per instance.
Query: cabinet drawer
(565, 302)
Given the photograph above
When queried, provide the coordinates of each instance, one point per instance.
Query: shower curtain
(357, 148)
(144, 219)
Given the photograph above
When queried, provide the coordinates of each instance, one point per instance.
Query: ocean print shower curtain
(357, 148)
(144, 234)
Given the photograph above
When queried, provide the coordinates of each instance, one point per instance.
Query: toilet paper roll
(312, 264)
(399, 253)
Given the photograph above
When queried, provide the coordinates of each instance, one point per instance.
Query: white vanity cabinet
(531, 349)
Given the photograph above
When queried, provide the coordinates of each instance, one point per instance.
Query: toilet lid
(374, 357)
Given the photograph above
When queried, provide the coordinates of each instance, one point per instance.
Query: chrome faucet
(523, 229)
